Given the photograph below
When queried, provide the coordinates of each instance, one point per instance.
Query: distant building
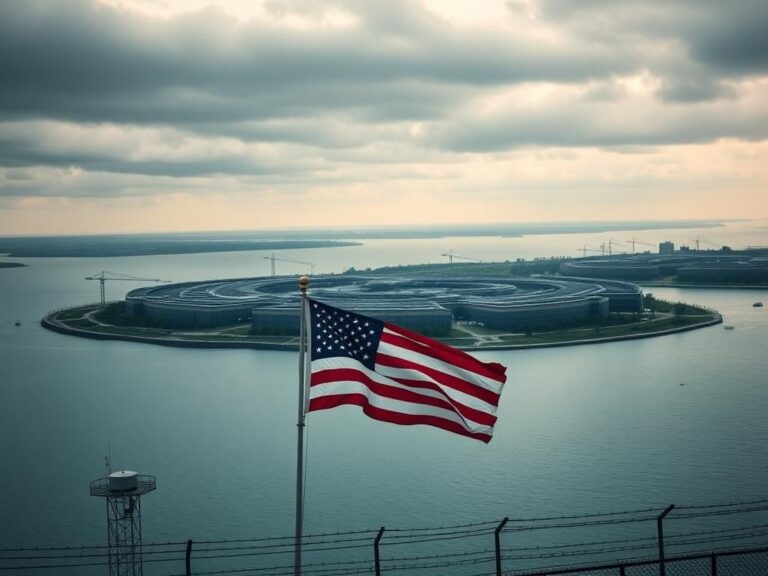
(667, 248)
(423, 304)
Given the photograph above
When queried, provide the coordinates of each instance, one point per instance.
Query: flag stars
(343, 334)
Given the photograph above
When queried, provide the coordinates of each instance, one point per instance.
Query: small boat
(17, 323)
(758, 304)
(728, 327)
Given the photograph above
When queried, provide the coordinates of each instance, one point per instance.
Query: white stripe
(339, 387)
(341, 362)
(353, 387)
(447, 368)
(451, 393)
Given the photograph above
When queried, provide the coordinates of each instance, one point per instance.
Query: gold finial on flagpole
(304, 284)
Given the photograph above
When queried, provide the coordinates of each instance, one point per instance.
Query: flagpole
(303, 285)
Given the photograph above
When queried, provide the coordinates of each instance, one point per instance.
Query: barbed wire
(703, 506)
(458, 534)
(581, 524)
(718, 513)
(493, 523)
(590, 515)
(721, 531)
(75, 557)
(454, 527)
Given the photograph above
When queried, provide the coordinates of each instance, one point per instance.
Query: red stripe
(395, 393)
(327, 402)
(444, 379)
(423, 345)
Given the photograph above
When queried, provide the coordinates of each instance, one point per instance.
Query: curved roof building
(425, 304)
(687, 266)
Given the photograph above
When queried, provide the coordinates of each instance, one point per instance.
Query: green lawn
(667, 316)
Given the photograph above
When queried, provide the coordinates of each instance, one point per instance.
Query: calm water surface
(678, 419)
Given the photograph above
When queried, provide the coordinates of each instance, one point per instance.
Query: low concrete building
(423, 304)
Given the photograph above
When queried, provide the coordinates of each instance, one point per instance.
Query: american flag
(399, 376)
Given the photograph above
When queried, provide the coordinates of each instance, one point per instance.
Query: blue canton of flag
(338, 332)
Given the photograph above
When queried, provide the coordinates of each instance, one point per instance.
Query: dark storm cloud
(80, 62)
(737, 42)
(332, 90)
(728, 37)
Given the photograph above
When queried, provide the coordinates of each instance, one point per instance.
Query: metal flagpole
(303, 285)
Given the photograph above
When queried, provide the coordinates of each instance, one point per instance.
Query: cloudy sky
(153, 115)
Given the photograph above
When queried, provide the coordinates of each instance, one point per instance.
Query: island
(464, 305)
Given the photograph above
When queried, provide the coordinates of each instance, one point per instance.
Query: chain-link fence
(711, 540)
(742, 562)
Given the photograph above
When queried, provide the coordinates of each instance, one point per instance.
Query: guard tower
(123, 491)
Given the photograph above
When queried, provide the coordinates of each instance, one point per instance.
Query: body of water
(674, 419)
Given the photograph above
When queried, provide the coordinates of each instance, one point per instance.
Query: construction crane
(274, 258)
(450, 255)
(104, 275)
(700, 240)
(586, 249)
(635, 241)
(612, 243)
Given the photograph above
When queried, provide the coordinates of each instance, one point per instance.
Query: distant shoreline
(76, 247)
(703, 285)
(79, 321)
(201, 242)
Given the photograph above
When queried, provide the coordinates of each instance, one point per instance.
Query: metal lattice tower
(123, 491)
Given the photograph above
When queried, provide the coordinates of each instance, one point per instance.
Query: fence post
(660, 529)
(713, 564)
(497, 541)
(376, 560)
(188, 559)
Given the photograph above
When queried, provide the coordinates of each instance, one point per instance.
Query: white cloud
(343, 100)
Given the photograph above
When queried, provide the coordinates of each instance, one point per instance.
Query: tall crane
(612, 243)
(274, 258)
(700, 240)
(586, 249)
(104, 275)
(450, 255)
(635, 241)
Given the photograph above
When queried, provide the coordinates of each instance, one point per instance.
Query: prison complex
(427, 304)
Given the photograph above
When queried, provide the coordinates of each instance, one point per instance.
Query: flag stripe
(441, 378)
(323, 380)
(413, 377)
(336, 382)
(353, 392)
(423, 345)
(472, 379)
(393, 416)
(462, 364)
(399, 376)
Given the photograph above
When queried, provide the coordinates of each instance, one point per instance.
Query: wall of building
(537, 315)
(426, 305)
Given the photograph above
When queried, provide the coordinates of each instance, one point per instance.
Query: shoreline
(703, 285)
(50, 322)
